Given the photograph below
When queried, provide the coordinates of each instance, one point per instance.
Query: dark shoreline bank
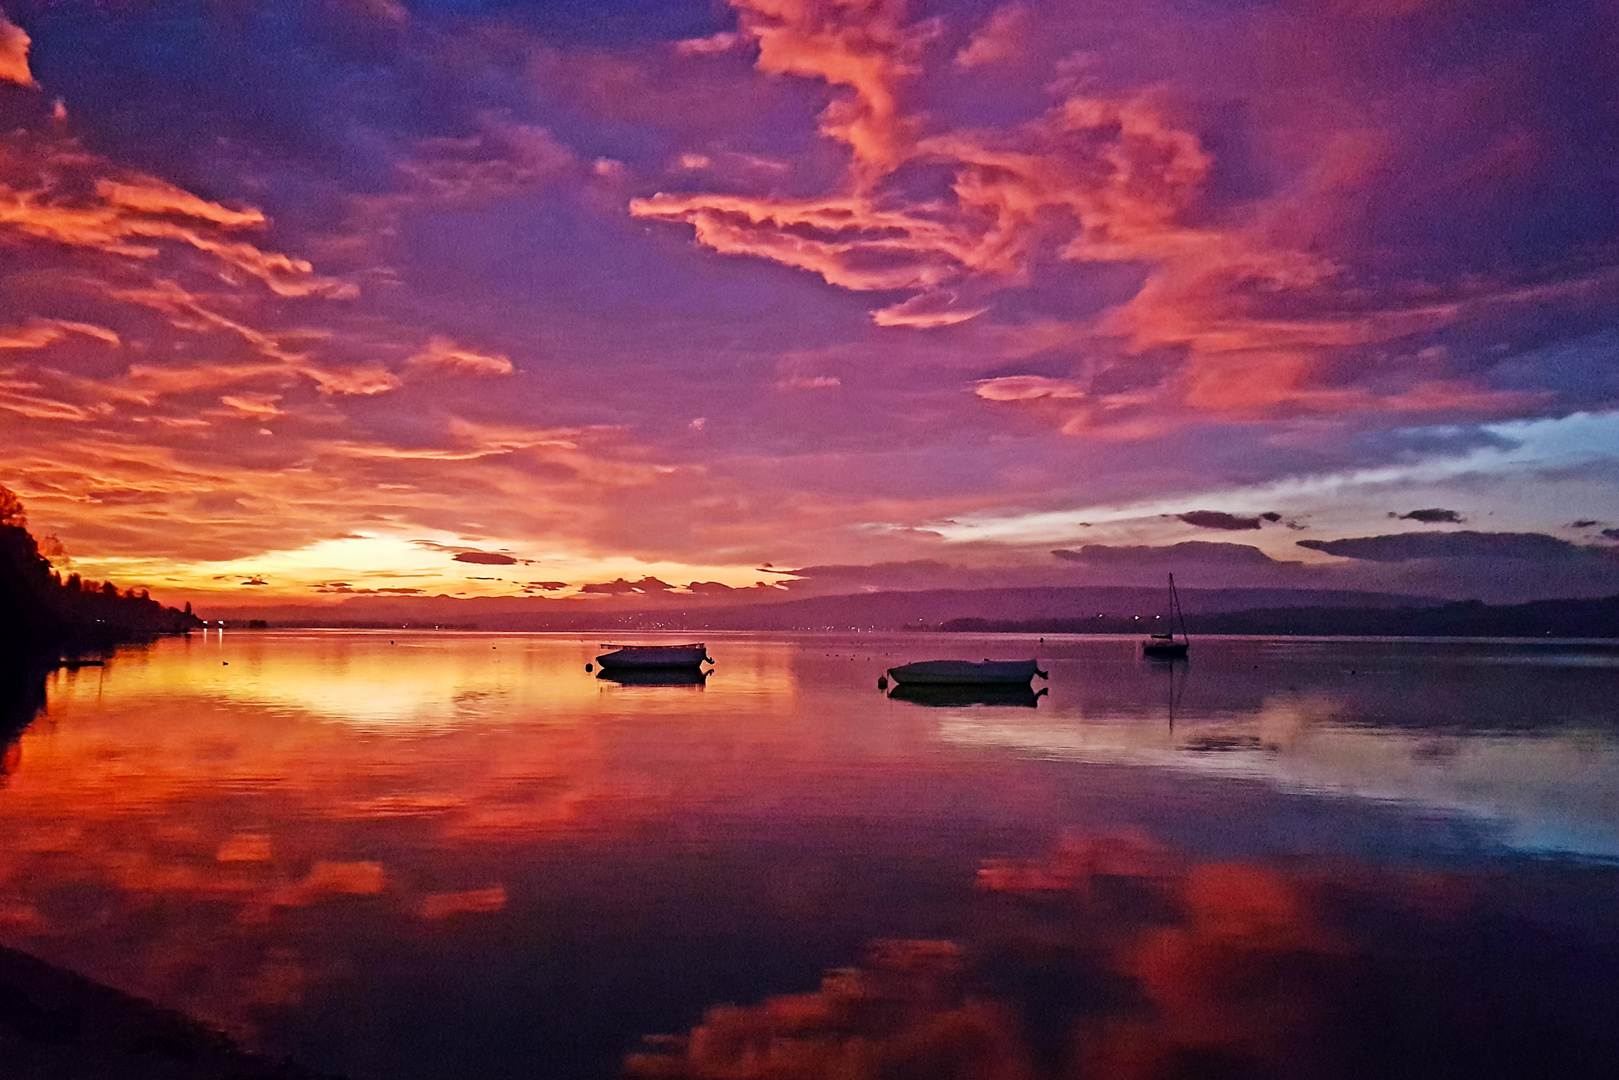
(58, 1025)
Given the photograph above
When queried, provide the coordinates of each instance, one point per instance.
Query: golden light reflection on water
(228, 781)
(223, 824)
(400, 681)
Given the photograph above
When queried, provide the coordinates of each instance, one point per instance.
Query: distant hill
(887, 610)
(1068, 610)
(1471, 618)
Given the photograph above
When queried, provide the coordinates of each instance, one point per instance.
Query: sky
(323, 299)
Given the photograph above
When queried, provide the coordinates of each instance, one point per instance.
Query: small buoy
(882, 682)
(590, 667)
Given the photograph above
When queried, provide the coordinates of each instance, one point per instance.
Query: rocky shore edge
(58, 1025)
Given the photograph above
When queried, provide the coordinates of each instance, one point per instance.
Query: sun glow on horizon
(394, 564)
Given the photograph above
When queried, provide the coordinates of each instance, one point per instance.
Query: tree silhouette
(42, 616)
(11, 509)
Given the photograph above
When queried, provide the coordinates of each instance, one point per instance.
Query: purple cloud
(1216, 519)
(1432, 516)
(486, 558)
(1194, 551)
(621, 587)
(1402, 547)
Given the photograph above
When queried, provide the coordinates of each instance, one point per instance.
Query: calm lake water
(459, 855)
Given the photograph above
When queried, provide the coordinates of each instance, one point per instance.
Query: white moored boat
(966, 673)
(642, 657)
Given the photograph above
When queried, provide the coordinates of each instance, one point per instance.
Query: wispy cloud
(968, 283)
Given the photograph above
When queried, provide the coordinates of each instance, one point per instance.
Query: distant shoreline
(1592, 619)
(1597, 619)
(1044, 610)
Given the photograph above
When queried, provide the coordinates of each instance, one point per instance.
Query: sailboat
(1164, 646)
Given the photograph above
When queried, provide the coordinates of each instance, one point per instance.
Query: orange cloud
(262, 406)
(49, 192)
(42, 332)
(860, 44)
(152, 196)
(14, 42)
(845, 239)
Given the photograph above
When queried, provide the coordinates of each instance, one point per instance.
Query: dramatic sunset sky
(306, 300)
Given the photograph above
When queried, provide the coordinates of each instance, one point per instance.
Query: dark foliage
(43, 616)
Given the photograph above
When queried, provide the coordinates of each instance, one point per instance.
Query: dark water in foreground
(447, 856)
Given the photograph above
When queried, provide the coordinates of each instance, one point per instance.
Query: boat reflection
(956, 695)
(693, 677)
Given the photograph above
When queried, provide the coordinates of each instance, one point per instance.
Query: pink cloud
(1000, 40)
(1029, 388)
(811, 382)
(503, 160)
(706, 46)
(444, 355)
(1258, 312)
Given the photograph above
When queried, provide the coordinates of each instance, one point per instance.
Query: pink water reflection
(461, 854)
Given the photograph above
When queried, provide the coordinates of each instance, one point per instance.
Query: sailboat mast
(1175, 601)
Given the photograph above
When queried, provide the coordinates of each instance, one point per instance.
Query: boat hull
(654, 657)
(966, 673)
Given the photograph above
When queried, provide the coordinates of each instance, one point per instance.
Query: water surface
(460, 855)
